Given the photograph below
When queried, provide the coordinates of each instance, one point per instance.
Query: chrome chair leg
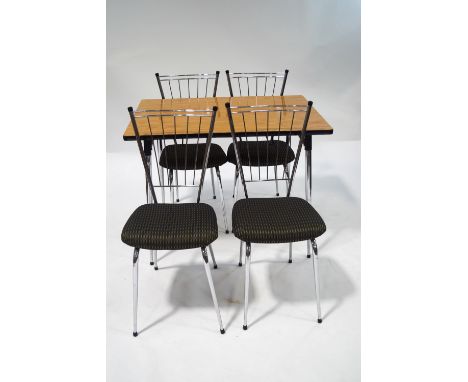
(135, 290)
(215, 266)
(316, 277)
(212, 183)
(236, 175)
(213, 293)
(155, 260)
(222, 199)
(177, 185)
(240, 254)
(276, 180)
(247, 282)
(171, 187)
(290, 253)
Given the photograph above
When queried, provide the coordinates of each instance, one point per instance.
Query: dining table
(317, 125)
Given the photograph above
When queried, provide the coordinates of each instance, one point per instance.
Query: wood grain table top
(317, 124)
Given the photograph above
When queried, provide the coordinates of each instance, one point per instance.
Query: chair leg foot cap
(222, 331)
(135, 334)
(216, 266)
(177, 200)
(308, 256)
(244, 327)
(156, 268)
(151, 262)
(240, 264)
(277, 194)
(214, 196)
(290, 261)
(227, 231)
(319, 320)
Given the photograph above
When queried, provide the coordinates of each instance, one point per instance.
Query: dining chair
(160, 226)
(192, 86)
(259, 84)
(273, 220)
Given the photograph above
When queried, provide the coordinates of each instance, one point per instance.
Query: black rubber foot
(308, 256)
(151, 262)
(244, 327)
(227, 231)
(135, 334)
(319, 320)
(214, 196)
(222, 331)
(216, 266)
(289, 261)
(240, 264)
(178, 200)
(156, 268)
(277, 194)
(233, 196)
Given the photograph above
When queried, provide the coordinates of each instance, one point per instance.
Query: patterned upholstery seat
(190, 156)
(171, 226)
(265, 153)
(275, 220)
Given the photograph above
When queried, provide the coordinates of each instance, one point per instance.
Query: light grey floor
(179, 337)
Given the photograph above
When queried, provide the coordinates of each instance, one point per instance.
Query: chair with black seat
(273, 220)
(259, 84)
(157, 226)
(192, 86)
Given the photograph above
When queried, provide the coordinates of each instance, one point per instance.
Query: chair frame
(281, 109)
(256, 75)
(199, 78)
(201, 113)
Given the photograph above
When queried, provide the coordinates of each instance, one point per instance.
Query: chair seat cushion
(265, 153)
(275, 220)
(171, 226)
(190, 156)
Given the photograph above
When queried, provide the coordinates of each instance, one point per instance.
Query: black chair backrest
(257, 83)
(256, 146)
(180, 127)
(188, 85)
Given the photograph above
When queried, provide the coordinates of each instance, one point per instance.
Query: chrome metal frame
(256, 75)
(199, 78)
(150, 188)
(316, 278)
(154, 113)
(247, 283)
(307, 110)
(135, 290)
(308, 186)
(213, 183)
(291, 108)
(240, 253)
(149, 200)
(212, 290)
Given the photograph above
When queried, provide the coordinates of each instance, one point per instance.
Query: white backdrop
(317, 40)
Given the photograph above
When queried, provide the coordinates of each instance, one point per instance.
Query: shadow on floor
(190, 289)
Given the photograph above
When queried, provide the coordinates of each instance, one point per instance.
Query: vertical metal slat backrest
(243, 81)
(288, 124)
(173, 125)
(182, 82)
